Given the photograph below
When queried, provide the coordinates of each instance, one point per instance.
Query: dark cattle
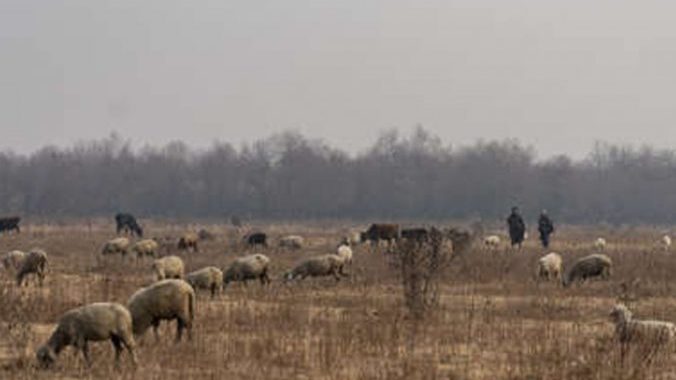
(378, 232)
(10, 224)
(419, 235)
(257, 238)
(127, 223)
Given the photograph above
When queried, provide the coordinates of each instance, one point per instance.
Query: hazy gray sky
(555, 74)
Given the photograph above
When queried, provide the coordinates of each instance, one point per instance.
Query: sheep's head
(46, 356)
(620, 313)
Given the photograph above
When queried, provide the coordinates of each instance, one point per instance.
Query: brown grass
(494, 321)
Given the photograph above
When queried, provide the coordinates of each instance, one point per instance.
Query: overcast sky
(558, 75)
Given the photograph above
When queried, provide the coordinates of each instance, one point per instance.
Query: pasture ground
(494, 321)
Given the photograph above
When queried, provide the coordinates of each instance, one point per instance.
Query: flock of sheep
(172, 296)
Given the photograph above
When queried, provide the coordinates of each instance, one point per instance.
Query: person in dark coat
(545, 227)
(517, 228)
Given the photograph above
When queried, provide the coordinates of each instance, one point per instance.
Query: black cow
(127, 223)
(9, 224)
(381, 231)
(419, 235)
(257, 238)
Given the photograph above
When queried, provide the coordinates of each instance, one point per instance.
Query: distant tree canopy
(288, 176)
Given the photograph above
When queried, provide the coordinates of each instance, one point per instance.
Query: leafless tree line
(289, 176)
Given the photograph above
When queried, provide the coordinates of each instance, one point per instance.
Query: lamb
(492, 241)
(600, 244)
(188, 242)
(596, 265)
(147, 247)
(292, 242)
(666, 242)
(168, 267)
(345, 252)
(35, 262)
(163, 300)
(118, 245)
(206, 278)
(247, 268)
(324, 265)
(12, 260)
(629, 330)
(94, 322)
(550, 266)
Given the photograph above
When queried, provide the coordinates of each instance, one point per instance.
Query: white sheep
(93, 322)
(206, 278)
(163, 300)
(345, 252)
(250, 267)
(600, 244)
(13, 259)
(118, 245)
(629, 330)
(35, 262)
(550, 267)
(292, 242)
(146, 247)
(492, 241)
(168, 267)
(666, 242)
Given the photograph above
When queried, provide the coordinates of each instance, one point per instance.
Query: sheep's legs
(156, 326)
(117, 344)
(84, 346)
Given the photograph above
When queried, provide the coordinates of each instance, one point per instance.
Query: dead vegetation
(491, 319)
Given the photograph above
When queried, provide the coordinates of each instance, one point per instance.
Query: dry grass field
(494, 320)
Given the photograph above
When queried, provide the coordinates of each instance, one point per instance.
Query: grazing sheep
(206, 278)
(317, 266)
(292, 242)
(629, 330)
(550, 266)
(35, 262)
(596, 265)
(168, 267)
(600, 244)
(118, 245)
(94, 322)
(492, 241)
(256, 238)
(12, 260)
(147, 247)
(345, 252)
(163, 300)
(247, 268)
(666, 242)
(188, 242)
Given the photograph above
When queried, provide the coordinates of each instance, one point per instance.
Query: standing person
(545, 227)
(517, 228)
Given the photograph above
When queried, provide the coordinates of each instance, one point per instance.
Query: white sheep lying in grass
(650, 332)
(600, 244)
(206, 278)
(93, 322)
(168, 267)
(492, 241)
(163, 300)
(12, 260)
(550, 267)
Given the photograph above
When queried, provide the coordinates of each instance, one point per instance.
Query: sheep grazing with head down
(292, 242)
(550, 267)
(12, 260)
(206, 278)
(91, 323)
(35, 263)
(163, 300)
(596, 265)
(118, 245)
(317, 266)
(147, 247)
(492, 241)
(650, 332)
(250, 267)
(600, 244)
(168, 267)
(189, 242)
